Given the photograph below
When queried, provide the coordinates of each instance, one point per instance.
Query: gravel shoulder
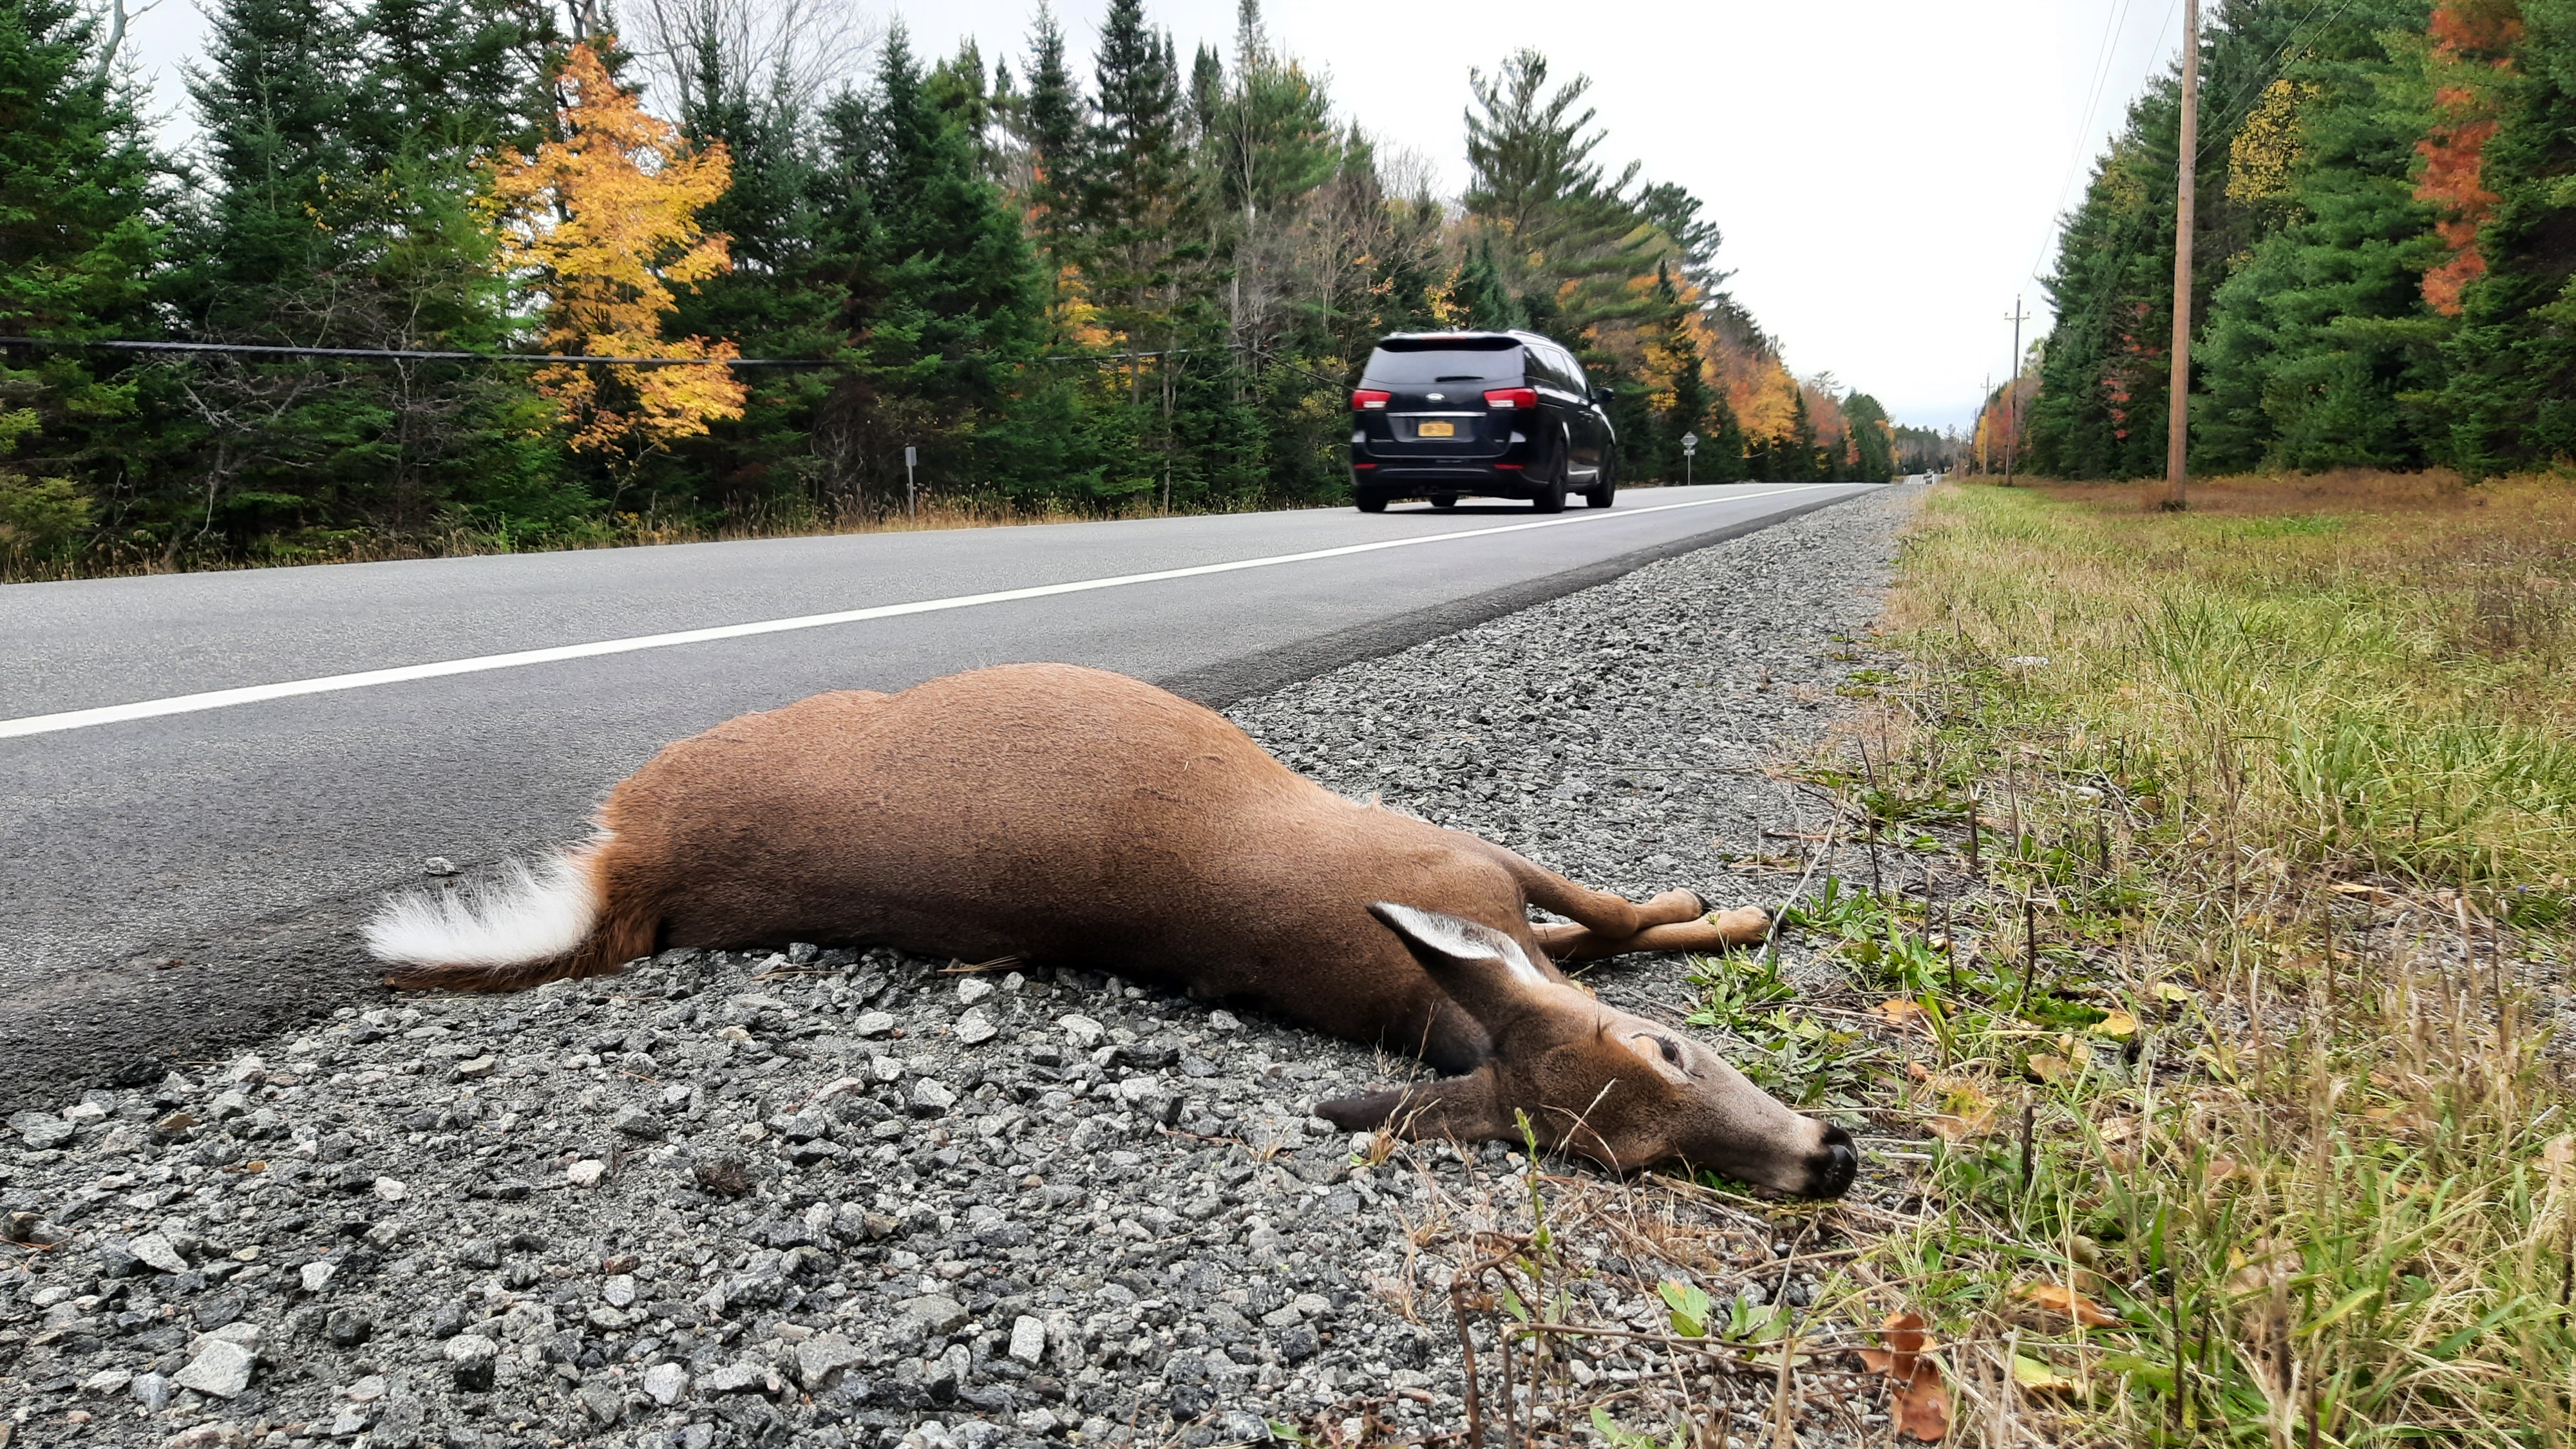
(834, 1198)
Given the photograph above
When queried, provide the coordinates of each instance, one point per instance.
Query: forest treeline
(1147, 287)
(2383, 250)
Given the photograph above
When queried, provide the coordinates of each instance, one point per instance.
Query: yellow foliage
(2266, 149)
(605, 221)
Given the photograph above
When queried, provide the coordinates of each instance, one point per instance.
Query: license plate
(1436, 430)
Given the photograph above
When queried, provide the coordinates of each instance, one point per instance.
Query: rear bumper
(1504, 475)
(1419, 480)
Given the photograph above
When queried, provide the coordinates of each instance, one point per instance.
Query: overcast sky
(1887, 172)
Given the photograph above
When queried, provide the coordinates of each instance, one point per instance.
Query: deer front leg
(1742, 926)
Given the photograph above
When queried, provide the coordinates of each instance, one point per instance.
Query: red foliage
(2471, 39)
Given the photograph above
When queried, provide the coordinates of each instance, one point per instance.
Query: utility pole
(2186, 168)
(2012, 393)
(1983, 441)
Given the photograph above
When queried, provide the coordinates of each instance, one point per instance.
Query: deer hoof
(1742, 925)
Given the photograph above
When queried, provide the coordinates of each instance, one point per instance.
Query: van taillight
(1365, 398)
(1512, 397)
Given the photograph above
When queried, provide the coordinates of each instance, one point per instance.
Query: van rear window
(1418, 365)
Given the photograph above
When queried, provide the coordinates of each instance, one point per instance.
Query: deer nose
(1836, 1164)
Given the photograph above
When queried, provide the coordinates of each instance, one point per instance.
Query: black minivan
(1439, 415)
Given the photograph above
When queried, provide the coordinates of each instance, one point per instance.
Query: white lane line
(38, 724)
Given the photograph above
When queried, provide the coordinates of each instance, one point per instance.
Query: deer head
(1624, 1091)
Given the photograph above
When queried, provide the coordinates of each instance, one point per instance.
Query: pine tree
(2320, 345)
(1873, 439)
(275, 100)
(949, 304)
(1059, 152)
(76, 247)
(1207, 93)
(2510, 399)
(1675, 357)
(1481, 293)
(1132, 205)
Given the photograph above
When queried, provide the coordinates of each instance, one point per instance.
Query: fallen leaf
(2049, 1068)
(1922, 1405)
(2167, 991)
(2038, 1378)
(2557, 1157)
(1899, 1009)
(1965, 1110)
(2066, 1303)
(2118, 1024)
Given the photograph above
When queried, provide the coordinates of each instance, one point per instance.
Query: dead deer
(1071, 817)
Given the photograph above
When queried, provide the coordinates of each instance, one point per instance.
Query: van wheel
(1550, 497)
(1371, 502)
(1444, 500)
(1603, 490)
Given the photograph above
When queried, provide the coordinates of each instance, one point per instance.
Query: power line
(381, 354)
(2272, 71)
(2114, 22)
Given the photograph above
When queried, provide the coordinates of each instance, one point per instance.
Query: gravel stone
(470, 1360)
(665, 1383)
(154, 1251)
(217, 1366)
(1028, 1339)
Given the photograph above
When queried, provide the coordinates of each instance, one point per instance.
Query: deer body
(1068, 816)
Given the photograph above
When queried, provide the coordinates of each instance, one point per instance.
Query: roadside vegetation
(1010, 283)
(2199, 886)
(2249, 1121)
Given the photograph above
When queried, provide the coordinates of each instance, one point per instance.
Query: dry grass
(2263, 1069)
(2196, 1020)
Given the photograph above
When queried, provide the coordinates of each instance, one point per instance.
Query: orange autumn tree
(2471, 53)
(604, 223)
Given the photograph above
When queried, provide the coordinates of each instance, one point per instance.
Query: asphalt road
(148, 818)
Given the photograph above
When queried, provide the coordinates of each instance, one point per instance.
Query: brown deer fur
(1071, 817)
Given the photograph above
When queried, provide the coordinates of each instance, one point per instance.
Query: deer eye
(1672, 1053)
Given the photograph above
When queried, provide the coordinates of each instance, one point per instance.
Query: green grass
(2295, 775)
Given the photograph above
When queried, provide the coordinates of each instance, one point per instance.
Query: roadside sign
(1690, 442)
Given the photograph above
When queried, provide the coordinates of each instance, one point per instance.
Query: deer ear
(1465, 1108)
(1485, 971)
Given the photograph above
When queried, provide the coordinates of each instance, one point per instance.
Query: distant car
(1441, 415)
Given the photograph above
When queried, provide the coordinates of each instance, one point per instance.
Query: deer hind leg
(1740, 927)
(1606, 924)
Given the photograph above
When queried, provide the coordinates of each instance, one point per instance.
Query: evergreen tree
(275, 99)
(1873, 440)
(1131, 207)
(76, 247)
(2320, 349)
(1059, 153)
(1207, 93)
(2510, 399)
(1655, 451)
(1481, 293)
(948, 311)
